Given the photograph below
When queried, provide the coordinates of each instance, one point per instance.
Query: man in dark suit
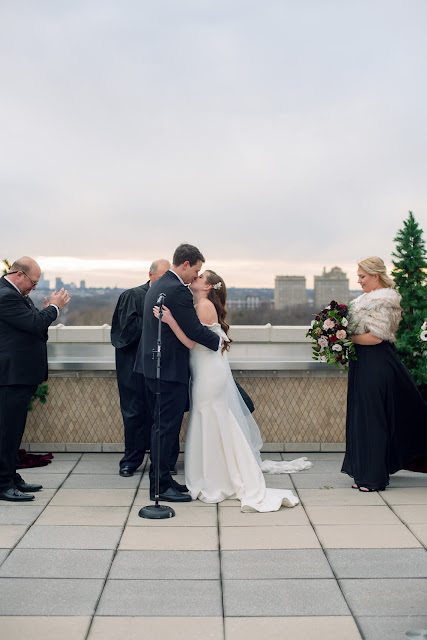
(126, 330)
(187, 261)
(23, 365)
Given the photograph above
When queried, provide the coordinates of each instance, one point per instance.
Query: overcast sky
(279, 136)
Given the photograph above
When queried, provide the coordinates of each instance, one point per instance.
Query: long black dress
(386, 427)
(386, 416)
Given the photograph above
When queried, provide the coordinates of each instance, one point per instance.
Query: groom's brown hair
(186, 252)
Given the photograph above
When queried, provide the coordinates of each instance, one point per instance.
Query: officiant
(126, 328)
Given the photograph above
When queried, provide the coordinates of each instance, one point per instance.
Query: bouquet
(330, 336)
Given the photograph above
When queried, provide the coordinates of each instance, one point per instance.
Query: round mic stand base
(156, 512)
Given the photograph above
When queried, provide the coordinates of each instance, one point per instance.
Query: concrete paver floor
(78, 563)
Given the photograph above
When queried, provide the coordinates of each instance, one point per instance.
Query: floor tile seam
(408, 525)
(353, 524)
(114, 554)
(330, 565)
(312, 524)
(412, 533)
(44, 507)
(80, 525)
(49, 578)
(383, 578)
(221, 578)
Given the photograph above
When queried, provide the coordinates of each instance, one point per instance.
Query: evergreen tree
(410, 276)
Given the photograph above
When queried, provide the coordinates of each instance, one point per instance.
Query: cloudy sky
(279, 136)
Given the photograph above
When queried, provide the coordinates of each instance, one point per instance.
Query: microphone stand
(157, 511)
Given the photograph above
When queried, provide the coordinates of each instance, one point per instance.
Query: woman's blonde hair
(375, 266)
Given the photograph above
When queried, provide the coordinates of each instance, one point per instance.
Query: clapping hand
(60, 298)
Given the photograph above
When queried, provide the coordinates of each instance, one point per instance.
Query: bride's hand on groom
(166, 314)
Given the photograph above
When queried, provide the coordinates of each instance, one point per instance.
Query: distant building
(43, 284)
(289, 291)
(82, 284)
(331, 285)
(58, 284)
(248, 302)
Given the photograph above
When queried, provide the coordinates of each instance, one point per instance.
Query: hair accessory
(218, 285)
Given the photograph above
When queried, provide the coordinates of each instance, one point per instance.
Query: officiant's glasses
(32, 281)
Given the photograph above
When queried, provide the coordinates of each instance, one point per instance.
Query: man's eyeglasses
(32, 281)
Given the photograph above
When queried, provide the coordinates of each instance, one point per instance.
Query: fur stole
(377, 312)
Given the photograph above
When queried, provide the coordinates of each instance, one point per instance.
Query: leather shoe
(182, 488)
(126, 472)
(14, 495)
(28, 488)
(172, 495)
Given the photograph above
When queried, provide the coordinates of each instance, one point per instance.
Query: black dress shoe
(14, 495)
(182, 488)
(172, 495)
(29, 488)
(173, 471)
(126, 472)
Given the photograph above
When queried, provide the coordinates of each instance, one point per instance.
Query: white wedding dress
(223, 442)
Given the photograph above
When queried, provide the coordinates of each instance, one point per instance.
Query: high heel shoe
(367, 490)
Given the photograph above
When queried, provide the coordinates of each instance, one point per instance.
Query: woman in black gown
(386, 428)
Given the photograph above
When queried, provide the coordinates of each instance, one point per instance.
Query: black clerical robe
(126, 330)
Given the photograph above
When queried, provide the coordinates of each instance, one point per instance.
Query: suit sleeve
(15, 312)
(185, 314)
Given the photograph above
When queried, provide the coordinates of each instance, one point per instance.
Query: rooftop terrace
(79, 564)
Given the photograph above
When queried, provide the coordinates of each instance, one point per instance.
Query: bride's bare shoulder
(206, 311)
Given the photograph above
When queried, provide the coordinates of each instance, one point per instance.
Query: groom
(186, 264)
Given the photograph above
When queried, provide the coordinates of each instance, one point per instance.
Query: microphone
(161, 299)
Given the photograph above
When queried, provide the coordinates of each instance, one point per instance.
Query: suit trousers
(173, 402)
(14, 401)
(137, 418)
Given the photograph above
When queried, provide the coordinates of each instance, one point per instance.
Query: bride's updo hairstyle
(217, 294)
(375, 266)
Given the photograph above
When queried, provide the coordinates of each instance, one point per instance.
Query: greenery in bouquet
(330, 336)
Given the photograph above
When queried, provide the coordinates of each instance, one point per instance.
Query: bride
(223, 442)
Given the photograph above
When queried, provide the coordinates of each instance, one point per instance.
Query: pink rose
(328, 324)
(341, 334)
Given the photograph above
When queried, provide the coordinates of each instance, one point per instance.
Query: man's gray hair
(155, 264)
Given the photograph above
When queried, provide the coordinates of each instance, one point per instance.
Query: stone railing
(300, 404)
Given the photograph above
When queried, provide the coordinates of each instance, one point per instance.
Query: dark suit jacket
(175, 356)
(23, 337)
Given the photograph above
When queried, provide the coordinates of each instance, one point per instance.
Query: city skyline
(132, 273)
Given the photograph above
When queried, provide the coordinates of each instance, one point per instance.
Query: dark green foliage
(410, 275)
(41, 394)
